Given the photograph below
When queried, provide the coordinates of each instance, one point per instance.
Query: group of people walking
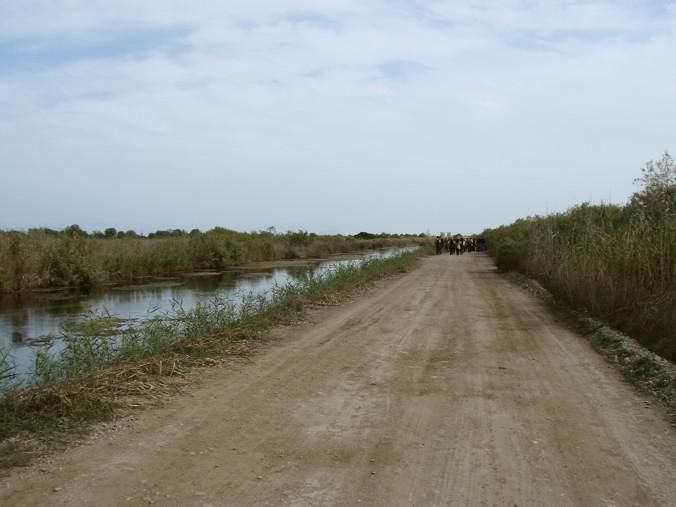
(457, 245)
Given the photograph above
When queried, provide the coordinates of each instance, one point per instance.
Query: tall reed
(616, 262)
(48, 259)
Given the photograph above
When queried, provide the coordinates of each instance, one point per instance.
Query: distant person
(458, 247)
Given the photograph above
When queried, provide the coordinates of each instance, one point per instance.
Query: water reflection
(27, 319)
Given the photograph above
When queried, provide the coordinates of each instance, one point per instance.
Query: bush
(67, 262)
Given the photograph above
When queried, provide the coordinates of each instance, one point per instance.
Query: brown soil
(446, 386)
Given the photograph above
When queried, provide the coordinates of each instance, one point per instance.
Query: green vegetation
(43, 258)
(95, 374)
(617, 263)
(650, 373)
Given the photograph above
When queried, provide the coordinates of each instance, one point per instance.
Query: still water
(30, 320)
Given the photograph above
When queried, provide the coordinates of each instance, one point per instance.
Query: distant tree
(658, 182)
(75, 231)
(165, 233)
(44, 230)
(221, 230)
(131, 233)
(195, 232)
(110, 232)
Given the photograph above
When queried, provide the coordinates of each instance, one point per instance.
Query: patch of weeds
(663, 382)
(624, 353)
(605, 341)
(54, 409)
(95, 325)
(14, 454)
(644, 368)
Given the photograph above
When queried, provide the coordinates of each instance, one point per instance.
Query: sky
(333, 116)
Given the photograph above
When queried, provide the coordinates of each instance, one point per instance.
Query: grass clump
(605, 341)
(94, 375)
(644, 367)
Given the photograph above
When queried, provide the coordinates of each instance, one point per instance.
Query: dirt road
(446, 386)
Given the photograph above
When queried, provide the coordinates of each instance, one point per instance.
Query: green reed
(618, 263)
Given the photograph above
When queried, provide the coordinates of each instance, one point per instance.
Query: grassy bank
(617, 263)
(43, 258)
(95, 375)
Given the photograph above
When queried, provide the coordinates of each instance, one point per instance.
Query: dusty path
(447, 386)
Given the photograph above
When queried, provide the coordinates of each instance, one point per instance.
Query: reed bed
(618, 263)
(42, 258)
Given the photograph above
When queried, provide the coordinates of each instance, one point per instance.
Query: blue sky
(332, 116)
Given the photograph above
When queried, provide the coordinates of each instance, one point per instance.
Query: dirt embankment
(447, 386)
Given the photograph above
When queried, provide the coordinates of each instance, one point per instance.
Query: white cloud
(347, 106)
